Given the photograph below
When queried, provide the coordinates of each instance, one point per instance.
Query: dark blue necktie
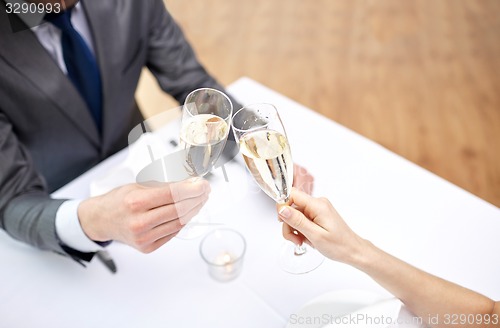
(81, 65)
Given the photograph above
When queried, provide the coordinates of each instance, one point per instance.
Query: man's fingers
(184, 219)
(307, 187)
(170, 212)
(303, 180)
(169, 193)
(157, 244)
(186, 206)
(169, 230)
(144, 241)
(190, 188)
(174, 226)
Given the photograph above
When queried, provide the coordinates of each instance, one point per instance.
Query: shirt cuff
(70, 231)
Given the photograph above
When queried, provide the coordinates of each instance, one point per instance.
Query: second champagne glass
(206, 121)
(264, 145)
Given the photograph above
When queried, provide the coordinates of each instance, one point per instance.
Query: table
(399, 206)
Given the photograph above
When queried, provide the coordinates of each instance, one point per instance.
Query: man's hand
(144, 217)
(302, 179)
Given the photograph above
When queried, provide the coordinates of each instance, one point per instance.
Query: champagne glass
(206, 121)
(262, 139)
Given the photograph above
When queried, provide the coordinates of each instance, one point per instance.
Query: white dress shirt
(68, 226)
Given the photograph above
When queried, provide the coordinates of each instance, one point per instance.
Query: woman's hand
(319, 225)
(316, 222)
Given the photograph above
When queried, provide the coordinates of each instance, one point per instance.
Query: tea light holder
(223, 250)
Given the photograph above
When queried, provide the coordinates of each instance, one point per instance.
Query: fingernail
(284, 212)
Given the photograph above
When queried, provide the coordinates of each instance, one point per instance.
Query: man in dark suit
(55, 124)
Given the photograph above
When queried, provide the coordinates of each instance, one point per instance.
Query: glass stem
(286, 201)
(299, 249)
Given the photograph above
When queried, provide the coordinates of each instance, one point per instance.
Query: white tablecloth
(399, 206)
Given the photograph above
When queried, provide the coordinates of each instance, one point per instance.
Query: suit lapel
(103, 22)
(23, 51)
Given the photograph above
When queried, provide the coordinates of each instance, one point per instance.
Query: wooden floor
(421, 78)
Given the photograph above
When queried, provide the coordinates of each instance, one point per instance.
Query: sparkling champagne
(203, 138)
(268, 157)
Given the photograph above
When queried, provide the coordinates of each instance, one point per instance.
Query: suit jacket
(47, 135)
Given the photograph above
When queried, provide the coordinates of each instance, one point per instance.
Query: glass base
(299, 260)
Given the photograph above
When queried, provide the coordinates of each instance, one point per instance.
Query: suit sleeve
(172, 60)
(27, 213)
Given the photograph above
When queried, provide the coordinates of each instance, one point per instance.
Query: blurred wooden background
(422, 78)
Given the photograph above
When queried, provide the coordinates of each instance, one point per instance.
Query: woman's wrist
(364, 255)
